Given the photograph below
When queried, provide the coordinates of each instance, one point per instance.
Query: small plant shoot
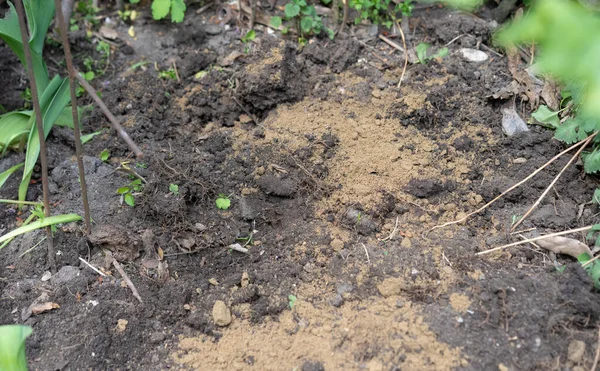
(174, 189)
(223, 202)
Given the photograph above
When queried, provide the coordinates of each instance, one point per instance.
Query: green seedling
(591, 268)
(223, 202)
(128, 192)
(422, 50)
(292, 300)
(249, 36)
(305, 19)
(514, 219)
(105, 155)
(168, 74)
(141, 165)
(86, 138)
(249, 240)
(383, 12)
(12, 347)
(174, 189)
(137, 65)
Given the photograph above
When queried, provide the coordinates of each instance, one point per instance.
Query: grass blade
(42, 223)
(12, 347)
(7, 173)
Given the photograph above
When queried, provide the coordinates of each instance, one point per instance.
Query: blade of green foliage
(12, 347)
(7, 173)
(86, 138)
(177, 11)
(546, 116)
(567, 35)
(570, 131)
(9, 32)
(52, 102)
(41, 223)
(12, 126)
(276, 21)
(160, 8)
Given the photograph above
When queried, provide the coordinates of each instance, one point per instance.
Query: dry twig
(597, 357)
(127, 280)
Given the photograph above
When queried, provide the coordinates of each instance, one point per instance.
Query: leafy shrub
(305, 18)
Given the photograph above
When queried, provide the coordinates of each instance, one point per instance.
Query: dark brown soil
(335, 176)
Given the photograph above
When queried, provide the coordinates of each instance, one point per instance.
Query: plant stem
(76, 130)
(115, 124)
(17, 202)
(40, 127)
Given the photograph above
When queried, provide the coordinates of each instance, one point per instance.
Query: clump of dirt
(366, 334)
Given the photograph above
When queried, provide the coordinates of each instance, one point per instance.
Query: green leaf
(160, 8)
(326, 2)
(134, 1)
(291, 10)
(276, 22)
(591, 161)
(7, 173)
(129, 200)
(421, 50)
(223, 202)
(546, 116)
(330, 33)
(123, 190)
(41, 223)
(596, 198)
(13, 126)
(104, 155)
(177, 10)
(292, 300)
(87, 137)
(568, 131)
(306, 24)
(174, 189)
(12, 347)
(249, 36)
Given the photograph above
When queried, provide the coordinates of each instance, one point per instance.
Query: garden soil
(336, 175)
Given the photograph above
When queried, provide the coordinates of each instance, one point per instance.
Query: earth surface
(336, 175)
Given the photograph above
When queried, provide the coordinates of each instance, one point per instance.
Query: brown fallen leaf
(564, 245)
(45, 307)
(108, 33)
(228, 60)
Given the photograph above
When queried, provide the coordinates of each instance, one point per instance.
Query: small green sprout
(223, 202)
(249, 36)
(104, 155)
(292, 300)
(127, 192)
(422, 49)
(174, 189)
(168, 74)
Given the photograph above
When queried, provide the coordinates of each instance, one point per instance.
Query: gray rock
(512, 123)
(312, 366)
(65, 274)
(248, 212)
(337, 300)
(213, 29)
(157, 337)
(344, 288)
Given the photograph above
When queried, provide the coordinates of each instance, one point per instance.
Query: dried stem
(405, 53)
(40, 126)
(345, 17)
(115, 124)
(537, 202)
(509, 189)
(76, 130)
(127, 280)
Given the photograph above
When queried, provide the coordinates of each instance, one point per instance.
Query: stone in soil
(221, 314)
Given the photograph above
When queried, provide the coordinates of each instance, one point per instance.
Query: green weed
(223, 202)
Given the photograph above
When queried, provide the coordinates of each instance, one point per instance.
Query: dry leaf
(131, 32)
(108, 33)
(45, 307)
(121, 325)
(565, 245)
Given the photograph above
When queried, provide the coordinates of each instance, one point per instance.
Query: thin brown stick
(535, 239)
(509, 189)
(76, 130)
(127, 280)
(590, 261)
(392, 44)
(537, 202)
(597, 357)
(405, 54)
(344, 18)
(39, 125)
(115, 124)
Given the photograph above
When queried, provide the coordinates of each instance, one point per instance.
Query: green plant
(174, 189)
(223, 202)
(53, 93)
(591, 268)
(161, 8)
(12, 347)
(305, 19)
(168, 74)
(129, 191)
(383, 12)
(292, 301)
(422, 49)
(567, 37)
(104, 155)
